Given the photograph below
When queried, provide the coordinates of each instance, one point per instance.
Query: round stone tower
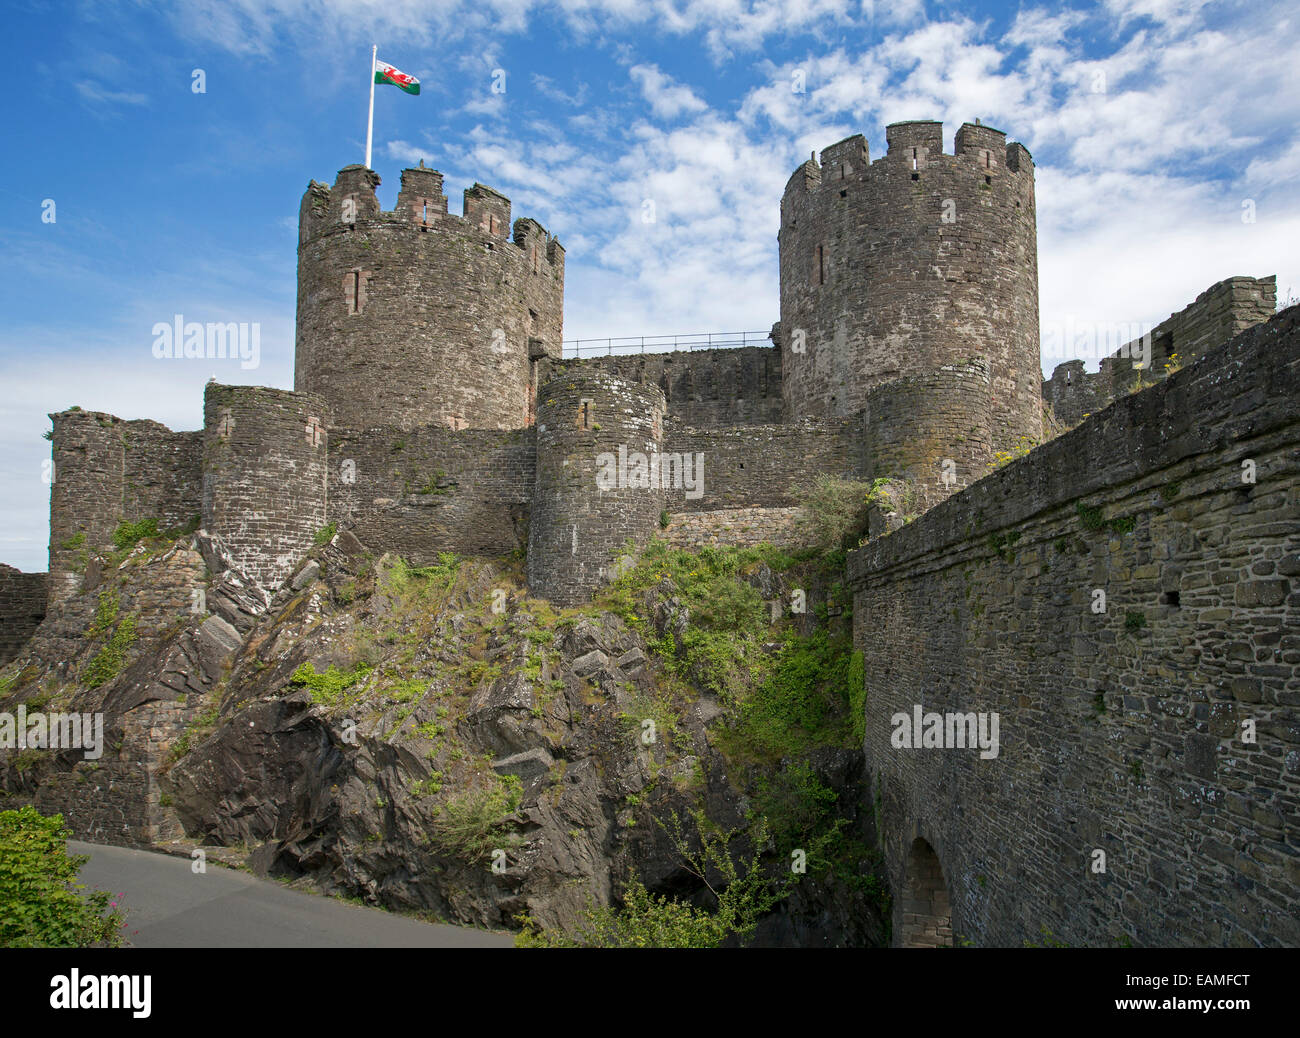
(264, 476)
(915, 262)
(418, 316)
(599, 481)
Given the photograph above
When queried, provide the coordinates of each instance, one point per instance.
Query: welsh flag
(385, 73)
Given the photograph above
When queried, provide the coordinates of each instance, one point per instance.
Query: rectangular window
(821, 265)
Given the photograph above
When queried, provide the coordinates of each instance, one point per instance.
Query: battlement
(894, 268)
(914, 140)
(418, 316)
(351, 203)
(916, 145)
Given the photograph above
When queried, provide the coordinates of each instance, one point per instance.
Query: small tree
(41, 903)
(741, 890)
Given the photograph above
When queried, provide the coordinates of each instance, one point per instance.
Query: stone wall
(115, 799)
(1125, 731)
(734, 528)
(584, 511)
(934, 430)
(1215, 316)
(424, 491)
(893, 268)
(418, 316)
(107, 470)
(740, 386)
(264, 476)
(763, 465)
(22, 608)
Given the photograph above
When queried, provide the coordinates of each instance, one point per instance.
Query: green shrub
(41, 903)
(739, 889)
(128, 534)
(328, 687)
(108, 662)
(834, 511)
(472, 824)
(325, 534)
(813, 696)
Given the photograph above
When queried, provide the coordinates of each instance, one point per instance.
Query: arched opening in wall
(925, 913)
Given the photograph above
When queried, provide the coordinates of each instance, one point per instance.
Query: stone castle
(433, 411)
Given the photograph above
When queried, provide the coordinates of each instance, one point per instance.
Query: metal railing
(576, 348)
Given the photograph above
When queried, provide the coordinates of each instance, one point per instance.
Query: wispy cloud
(97, 94)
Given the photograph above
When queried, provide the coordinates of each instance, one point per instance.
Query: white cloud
(668, 98)
(98, 94)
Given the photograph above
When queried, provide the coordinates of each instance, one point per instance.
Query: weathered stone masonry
(1120, 731)
(1215, 316)
(919, 260)
(22, 608)
(107, 470)
(419, 317)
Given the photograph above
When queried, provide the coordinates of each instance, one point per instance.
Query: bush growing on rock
(41, 903)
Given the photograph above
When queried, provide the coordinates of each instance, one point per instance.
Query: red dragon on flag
(386, 73)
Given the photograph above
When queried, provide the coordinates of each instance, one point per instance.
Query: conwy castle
(433, 411)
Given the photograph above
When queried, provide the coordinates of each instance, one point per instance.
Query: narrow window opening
(821, 265)
(916, 176)
(586, 414)
(844, 194)
(354, 295)
(988, 180)
(1171, 598)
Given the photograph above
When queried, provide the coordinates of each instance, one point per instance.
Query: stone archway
(924, 918)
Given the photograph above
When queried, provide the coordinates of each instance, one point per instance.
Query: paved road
(172, 907)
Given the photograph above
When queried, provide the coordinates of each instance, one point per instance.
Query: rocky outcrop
(430, 740)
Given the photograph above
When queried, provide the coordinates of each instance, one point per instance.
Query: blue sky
(1151, 122)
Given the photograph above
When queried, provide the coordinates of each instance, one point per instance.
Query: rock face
(428, 740)
(346, 800)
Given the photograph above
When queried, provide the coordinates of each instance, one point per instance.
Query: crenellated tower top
(419, 316)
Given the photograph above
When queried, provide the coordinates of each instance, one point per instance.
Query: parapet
(845, 158)
(918, 144)
(915, 140)
(421, 202)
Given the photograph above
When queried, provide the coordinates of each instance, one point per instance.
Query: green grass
(473, 823)
(329, 687)
(118, 635)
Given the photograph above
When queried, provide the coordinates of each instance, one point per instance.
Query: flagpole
(370, 121)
